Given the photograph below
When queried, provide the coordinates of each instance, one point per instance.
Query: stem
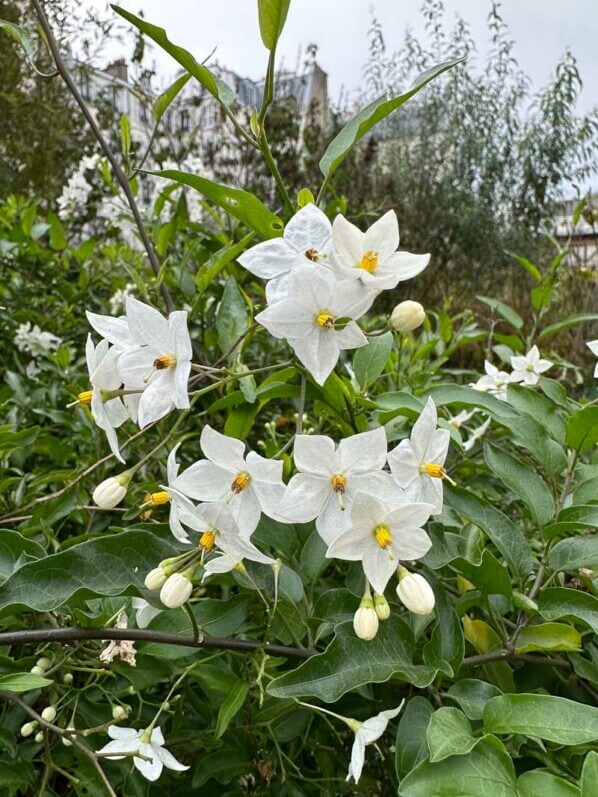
(118, 171)
(271, 163)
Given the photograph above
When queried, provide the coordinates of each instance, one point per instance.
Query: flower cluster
(527, 370)
(36, 342)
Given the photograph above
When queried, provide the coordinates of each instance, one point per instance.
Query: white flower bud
(111, 492)
(415, 593)
(67, 678)
(36, 670)
(39, 737)
(365, 622)
(407, 316)
(45, 663)
(119, 713)
(176, 590)
(155, 578)
(49, 714)
(67, 742)
(28, 728)
(381, 606)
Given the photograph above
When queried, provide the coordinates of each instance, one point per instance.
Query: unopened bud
(407, 316)
(381, 606)
(176, 590)
(415, 593)
(365, 622)
(37, 670)
(39, 737)
(111, 492)
(155, 578)
(45, 663)
(67, 742)
(119, 713)
(49, 714)
(67, 678)
(28, 728)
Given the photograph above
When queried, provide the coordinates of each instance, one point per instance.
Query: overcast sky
(542, 29)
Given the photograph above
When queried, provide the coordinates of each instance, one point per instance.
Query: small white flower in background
(494, 381)
(249, 484)
(593, 347)
(366, 733)
(149, 743)
(34, 341)
(380, 536)
(407, 316)
(306, 318)
(328, 479)
(371, 257)
(123, 648)
(462, 417)
(417, 464)
(144, 612)
(306, 242)
(476, 435)
(118, 300)
(527, 368)
(415, 593)
(103, 375)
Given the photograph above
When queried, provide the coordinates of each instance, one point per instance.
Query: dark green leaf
(582, 429)
(411, 745)
(574, 553)
(369, 361)
(231, 705)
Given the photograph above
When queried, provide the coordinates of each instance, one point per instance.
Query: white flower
(306, 242)
(104, 376)
(371, 257)
(417, 464)
(176, 590)
(366, 733)
(181, 508)
(380, 537)
(593, 347)
(476, 435)
(328, 479)
(149, 743)
(415, 593)
(144, 612)
(528, 368)
(249, 484)
(462, 417)
(34, 341)
(111, 491)
(494, 381)
(306, 318)
(407, 316)
(118, 300)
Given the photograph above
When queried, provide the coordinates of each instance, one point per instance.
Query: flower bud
(37, 670)
(155, 578)
(111, 492)
(381, 606)
(415, 593)
(67, 742)
(67, 678)
(119, 713)
(39, 737)
(28, 728)
(407, 316)
(49, 714)
(176, 590)
(45, 663)
(365, 622)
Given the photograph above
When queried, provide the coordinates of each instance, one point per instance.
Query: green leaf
(589, 774)
(586, 491)
(125, 135)
(574, 553)
(504, 310)
(523, 481)
(531, 269)
(485, 639)
(554, 719)
(23, 682)
(548, 637)
(411, 746)
(582, 429)
(558, 602)
(490, 575)
(216, 87)
(541, 783)
(162, 103)
(541, 296)
(369, 361)
(472, 695)
(238, 203)
(486, 770)
(15, 550)
(349, 662)
(567, 323)
(449, 733)
(446, 643)
(506, 536)
(232, 318)
(356, 128)
(20, 35)
(272, 16)
(538, 407)
(231, 705)
(107, 565)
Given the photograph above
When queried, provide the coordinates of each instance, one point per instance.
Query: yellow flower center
(164, 361)
(434, 470)
(324, 319)
(207, 540)
(312, 254)
(383, 536)
(240, 482)
(339, 483)
(368, 261)
(85, 397)
(156, 499)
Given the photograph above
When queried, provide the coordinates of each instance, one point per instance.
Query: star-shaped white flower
(366, 733)
(249, 484)
(527, 368)
(306, 242)
(149, 743)
(181, 508)
(476, 435)
(593, 347)
(380, 536)
(328, 479)
(417, 464)
(307, 318)
(372, 257)
(104, 376)
(494, 381)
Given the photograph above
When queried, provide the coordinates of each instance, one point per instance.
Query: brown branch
(145, 635)
(118, 171)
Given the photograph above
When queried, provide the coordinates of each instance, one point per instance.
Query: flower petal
(383, 236)
(270, 258)
(314, 453)
(304, 497)
(309, 229)
(363, 452)
(204, 481)
(225, 451)
(148, 326)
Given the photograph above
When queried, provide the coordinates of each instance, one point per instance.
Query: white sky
(542, 29)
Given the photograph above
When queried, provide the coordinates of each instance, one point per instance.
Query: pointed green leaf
(582, 429)
(449, 733)
(411, 745)
(548, 637)
(574, 553)
(504, 310)
(567, 323)
(231, 705)
(369, 361)
(272, 16)
(163, 102)
(589, 774)
(472, 695)
(555, 603)
(541, 783)
(23, 682)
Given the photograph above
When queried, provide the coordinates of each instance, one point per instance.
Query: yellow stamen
(240, 482)
(207, 540)
(368, 261)
(85, 397)
(434, 470)
(312, 254)
(383, 536)
(324, 319)
(164, 361)
(339, 483)
(156, 499)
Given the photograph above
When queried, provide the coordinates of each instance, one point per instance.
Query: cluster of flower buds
(41, 666)
(174, 578)
(367, 618)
